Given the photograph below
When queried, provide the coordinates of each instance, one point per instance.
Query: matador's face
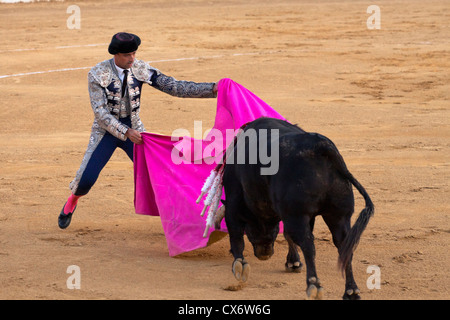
(124, 60)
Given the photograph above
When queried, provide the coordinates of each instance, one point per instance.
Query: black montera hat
(123, 42)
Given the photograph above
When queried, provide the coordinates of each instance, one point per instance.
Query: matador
(115, 87)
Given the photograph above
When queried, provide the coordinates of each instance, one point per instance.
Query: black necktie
(124, 82)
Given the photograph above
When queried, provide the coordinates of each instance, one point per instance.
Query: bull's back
(283, 126)
(308, 177)
(305, 175)
(246, 163)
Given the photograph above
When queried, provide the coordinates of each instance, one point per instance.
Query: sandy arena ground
(381, 95)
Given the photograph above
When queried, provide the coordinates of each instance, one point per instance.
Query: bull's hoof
(352, 294)
(293, 267)
(241, 269)
(314, 291)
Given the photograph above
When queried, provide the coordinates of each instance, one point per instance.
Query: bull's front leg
(298, 228)
(240, 267)
(293, 263)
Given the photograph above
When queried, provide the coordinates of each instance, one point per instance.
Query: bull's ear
(223, 202)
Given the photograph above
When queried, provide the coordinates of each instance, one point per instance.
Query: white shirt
(124, 105)
(120, 71)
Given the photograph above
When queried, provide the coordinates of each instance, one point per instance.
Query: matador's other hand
(134, 136)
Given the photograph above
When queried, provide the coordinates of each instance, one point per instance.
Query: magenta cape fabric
(170, 188)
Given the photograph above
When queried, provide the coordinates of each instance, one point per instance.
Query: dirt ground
(381, 95)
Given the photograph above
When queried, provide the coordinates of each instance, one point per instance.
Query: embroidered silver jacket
(105, 93)
(107, 103)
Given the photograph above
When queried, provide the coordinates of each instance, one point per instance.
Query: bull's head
(262, 236)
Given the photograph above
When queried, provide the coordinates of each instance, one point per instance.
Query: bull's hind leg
(339, 227)
(298, 228)
(293, 263)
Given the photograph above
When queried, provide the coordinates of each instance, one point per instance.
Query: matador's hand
(134, 136)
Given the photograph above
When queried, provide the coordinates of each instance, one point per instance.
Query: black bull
(311, 179)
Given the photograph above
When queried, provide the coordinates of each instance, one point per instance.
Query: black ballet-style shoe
(64, 219)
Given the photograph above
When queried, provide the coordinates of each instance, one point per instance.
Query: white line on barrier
(58, 47)
(155, 61)
(39, 72)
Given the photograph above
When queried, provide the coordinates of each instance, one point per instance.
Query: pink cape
(169, 172)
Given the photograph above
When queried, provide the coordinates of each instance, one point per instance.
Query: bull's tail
(349, 244)
(351, 241)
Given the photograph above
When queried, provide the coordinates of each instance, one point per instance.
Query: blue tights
(100, 158)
